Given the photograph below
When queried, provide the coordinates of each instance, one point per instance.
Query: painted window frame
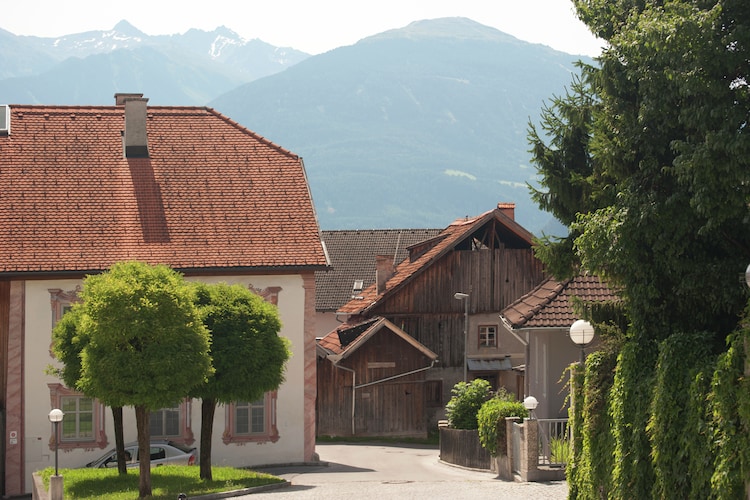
(99, 435)
(482, 336)
(270, 432)
(185, 433)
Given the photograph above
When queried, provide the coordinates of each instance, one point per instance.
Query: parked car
(162, 452)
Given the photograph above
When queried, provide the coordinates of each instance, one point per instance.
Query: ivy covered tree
(248, 355)
(647, 158)
(146, 346)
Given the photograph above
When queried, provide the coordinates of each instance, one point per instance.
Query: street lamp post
(582, 333)
(56, 416)
(465, 298)
(56, 482)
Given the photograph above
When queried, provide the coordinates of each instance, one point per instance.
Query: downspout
(527, 352)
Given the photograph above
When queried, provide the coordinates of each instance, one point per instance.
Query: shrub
(491, 420)
(467, 398)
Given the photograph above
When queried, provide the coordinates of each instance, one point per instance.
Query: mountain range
(412, 127)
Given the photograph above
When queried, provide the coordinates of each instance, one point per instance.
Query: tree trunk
(142, 415)
(208, 408)
(119, 439)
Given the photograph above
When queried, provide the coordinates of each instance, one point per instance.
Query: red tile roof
(212, 194)
(448, 239)
(549, 305)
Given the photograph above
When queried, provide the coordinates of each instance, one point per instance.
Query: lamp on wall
(465, 298)
(582, 333)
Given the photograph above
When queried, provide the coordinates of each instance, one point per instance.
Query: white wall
(289, 410)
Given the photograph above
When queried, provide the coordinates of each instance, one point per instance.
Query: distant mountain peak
(448, 28)
(126, 28)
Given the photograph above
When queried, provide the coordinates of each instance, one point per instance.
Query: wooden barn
(371, 381)
(448, 294)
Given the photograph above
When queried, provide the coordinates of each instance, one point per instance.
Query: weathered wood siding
(392, 407)
(426, 309)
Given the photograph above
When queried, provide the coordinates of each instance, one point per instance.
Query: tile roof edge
(261, 138)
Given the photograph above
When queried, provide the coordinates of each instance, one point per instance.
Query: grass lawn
(167, 481)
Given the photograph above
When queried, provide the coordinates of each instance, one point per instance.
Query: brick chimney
(507, 209)
(383, 271)
(135, 141)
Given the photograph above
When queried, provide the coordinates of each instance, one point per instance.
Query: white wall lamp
(530, 403)
(582, 333)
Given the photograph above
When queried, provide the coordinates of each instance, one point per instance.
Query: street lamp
(747, 275)
(465, 298)
(530, 403)
(56, 416)
(582, 333)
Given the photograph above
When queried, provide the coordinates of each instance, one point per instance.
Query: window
(173, 423)
(83, 421)
(78, 422)
(487, 335)
(165, 422)
(251, 421)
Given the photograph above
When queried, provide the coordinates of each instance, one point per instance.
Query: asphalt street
(376, 471)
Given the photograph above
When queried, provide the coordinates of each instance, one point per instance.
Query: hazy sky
(313, 26)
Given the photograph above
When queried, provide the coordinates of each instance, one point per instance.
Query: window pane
(68, 405)
(258, 420)
(86, 426)
(155, 423)
(241, 420)
(68, 428)
(172, 423)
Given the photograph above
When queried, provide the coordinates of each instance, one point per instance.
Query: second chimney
(383, 271)
(507, 209)
(135, 140)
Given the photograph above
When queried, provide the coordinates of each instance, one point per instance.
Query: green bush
(559, 450)
(467, 398)
(491, 422)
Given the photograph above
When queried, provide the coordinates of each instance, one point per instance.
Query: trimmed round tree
(147, 346)
(248, 354)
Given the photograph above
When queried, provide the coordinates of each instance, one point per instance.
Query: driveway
(377, 471)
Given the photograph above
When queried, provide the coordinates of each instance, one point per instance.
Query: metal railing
(554, 442)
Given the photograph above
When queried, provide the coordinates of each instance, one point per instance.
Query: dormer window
(357, 288)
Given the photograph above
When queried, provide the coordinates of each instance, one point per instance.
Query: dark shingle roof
(352, 254)
(212, 194)
(549, 305)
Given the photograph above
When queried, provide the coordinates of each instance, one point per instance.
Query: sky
(312, 26)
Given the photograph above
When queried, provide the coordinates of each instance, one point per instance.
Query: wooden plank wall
(426, 309)
(395, 407)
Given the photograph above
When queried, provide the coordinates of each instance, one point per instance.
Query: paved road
(382, 472)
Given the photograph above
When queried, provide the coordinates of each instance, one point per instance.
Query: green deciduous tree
(248, 354)
(147, 346)
(68, 344)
